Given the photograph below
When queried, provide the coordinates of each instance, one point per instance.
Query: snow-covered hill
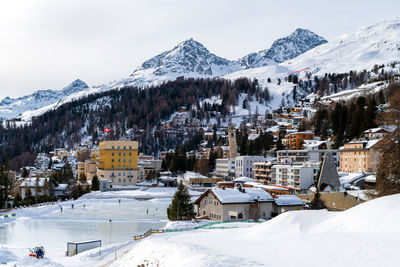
(298, 42)
(366, 235)
(357, 50)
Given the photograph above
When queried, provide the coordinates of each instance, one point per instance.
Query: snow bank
(142, 193)
(366, 235)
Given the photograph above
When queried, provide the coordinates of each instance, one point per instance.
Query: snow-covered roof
(370, 178)
(243, 179)
(31, 182)
(288, 200)
(61, 187)
(234, 195)
(375, 130)
(193, 175)
(351, 177)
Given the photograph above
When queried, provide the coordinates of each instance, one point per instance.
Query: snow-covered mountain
(189, 59)
(357, 50)
(13, 107)
(298, 42)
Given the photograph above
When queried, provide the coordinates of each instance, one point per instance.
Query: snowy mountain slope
(279, 93)
(189, 59)
(357, 50)
(12, 107)
(298, 42)
(313, 238)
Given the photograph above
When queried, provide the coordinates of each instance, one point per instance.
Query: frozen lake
(55, 228)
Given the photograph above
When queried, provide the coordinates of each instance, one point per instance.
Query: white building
(298, 176)
(304, 155)
(244, 165)
(225, 168)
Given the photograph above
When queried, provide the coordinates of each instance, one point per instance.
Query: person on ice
(72, 206)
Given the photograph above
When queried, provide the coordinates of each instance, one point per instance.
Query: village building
(230, 204)
(298, 176)
(225, 168)
(118, 162)
(284, 203)
(359, 155)
(296, 139)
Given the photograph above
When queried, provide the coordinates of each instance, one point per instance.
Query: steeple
(232, 140)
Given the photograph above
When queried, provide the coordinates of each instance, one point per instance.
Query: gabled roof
(288, 200)
(234, 195)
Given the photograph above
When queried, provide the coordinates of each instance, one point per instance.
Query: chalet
(230, 204)
(285, 203)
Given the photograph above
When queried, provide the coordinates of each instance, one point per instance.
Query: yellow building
(118, 162)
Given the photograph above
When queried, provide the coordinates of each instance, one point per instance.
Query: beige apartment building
(359, 155)
(89, 168)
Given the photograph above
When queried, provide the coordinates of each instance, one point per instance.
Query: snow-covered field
(143, 193)
(366, 235)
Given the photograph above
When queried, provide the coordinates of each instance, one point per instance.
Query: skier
(119, 201)
(72, 206)
(60, 209)
(147, 211)
(84, 205)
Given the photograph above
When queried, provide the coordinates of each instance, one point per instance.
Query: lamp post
(110, 230)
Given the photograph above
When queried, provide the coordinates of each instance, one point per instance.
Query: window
(112, 180)
(124, 148)
(119, 160)
(130, 154)
(124, 180)
(112, 166)
(119, 174)
(118, 147)
(130, 147)
(119, 180)
(130, 180)
(112, 147)
(119, 166)
(112, 154)
(112, 160)
(124, 154)
(130, 160)
(124, 160)
(119, 154)
(124, 166)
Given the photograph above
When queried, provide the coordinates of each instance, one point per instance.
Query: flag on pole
(106, 130)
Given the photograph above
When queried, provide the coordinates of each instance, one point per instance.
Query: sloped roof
(234, 195)
(288, 200)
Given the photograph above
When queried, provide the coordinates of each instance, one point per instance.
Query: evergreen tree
(317, 203)
(95, 183)
(82, 178)
(181, 207)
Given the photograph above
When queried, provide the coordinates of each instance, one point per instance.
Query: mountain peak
(188, 58)
(291, 46)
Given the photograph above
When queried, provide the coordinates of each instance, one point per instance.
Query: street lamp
(110, 230)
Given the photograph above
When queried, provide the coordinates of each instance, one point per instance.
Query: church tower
(232, 141)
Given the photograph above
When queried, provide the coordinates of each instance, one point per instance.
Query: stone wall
(334, 200)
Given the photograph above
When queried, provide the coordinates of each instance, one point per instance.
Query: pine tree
(95, 183)
(82, 178)
(181, 207)
(317, 203)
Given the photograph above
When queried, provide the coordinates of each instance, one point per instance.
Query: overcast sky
(46, 44)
